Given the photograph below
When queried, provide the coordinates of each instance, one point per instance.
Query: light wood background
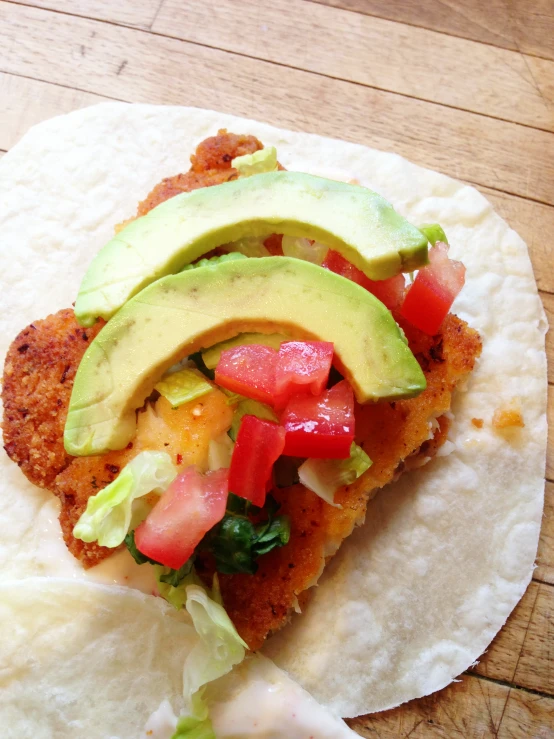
(462, 86)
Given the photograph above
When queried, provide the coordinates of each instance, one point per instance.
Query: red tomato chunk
(302, 366)
(433, 291)
(259, 372)
(321, 427)
(248, 370)
(390, 291)
(190, 507)
(259, 444)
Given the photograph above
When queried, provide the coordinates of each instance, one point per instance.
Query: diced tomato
(320, 427)
(432, 293)
(302, 367)
(390, 291)
(259, 444)
(248, 370)
(274, 245)
(259, 372)
(190, 507)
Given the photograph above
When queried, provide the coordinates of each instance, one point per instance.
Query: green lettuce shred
(214, 261)
(248, 407)
(218, 650)
(189, 727)
(434, 233)
(301, 248)
(183, 386)
(220, 451)
(326, 476)
(107, 517)
(249, 246)
(264, 160)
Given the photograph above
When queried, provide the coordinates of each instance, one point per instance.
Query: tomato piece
(433, 291)
(302, 366)
(248, 370)
(389, 291)
(274, 245)
(259, 444)
(190, 507)
(320, 427)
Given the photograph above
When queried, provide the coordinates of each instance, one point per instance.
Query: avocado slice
(183, 313)
(355, 221)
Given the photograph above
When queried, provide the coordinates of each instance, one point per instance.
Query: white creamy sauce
(257, 700)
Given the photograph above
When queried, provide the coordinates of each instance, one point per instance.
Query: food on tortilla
(415, 596)
(395, 435)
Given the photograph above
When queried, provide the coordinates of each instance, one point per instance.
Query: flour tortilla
(96, 661)
(416, 595)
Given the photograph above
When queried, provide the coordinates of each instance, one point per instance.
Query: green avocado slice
(355, 221)
(183, 313)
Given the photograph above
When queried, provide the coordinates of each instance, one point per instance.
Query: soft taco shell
(416, 595)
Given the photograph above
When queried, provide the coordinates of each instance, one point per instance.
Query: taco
(414, 595)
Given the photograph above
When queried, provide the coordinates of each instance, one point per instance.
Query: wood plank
(25, 102)
(371, 51)
(474, 708)
(534, 222)
(139, 13)
(522, 25)
(545, 555)
(110, 60)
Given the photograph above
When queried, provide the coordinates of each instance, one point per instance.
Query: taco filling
(298, 373)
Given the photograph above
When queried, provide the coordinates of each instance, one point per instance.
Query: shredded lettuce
(190, 727)
(217, 651)
(183, 386)
(220, 451)
(326, 476)
(264, 160)
(249, 246)
(304, 249)
(211, 356)
(107, 517)
(434, 233)
(214, 261)
(248, 407)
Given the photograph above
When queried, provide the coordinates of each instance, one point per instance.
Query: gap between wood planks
(496, 83)
(467, 145)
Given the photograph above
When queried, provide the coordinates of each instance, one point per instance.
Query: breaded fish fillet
(38, 378)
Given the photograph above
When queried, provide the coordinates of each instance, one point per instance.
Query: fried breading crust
(211, 165)
(390, 433)
(38, 378)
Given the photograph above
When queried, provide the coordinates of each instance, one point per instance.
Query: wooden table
(465, 87)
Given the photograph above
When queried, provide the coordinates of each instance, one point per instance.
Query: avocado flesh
(353, 220)
(182, 313)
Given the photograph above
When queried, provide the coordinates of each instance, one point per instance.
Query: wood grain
(474, 708)
(489, 80)
(139, 13)
(545, 555)
(521, 25)
(109, 60)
